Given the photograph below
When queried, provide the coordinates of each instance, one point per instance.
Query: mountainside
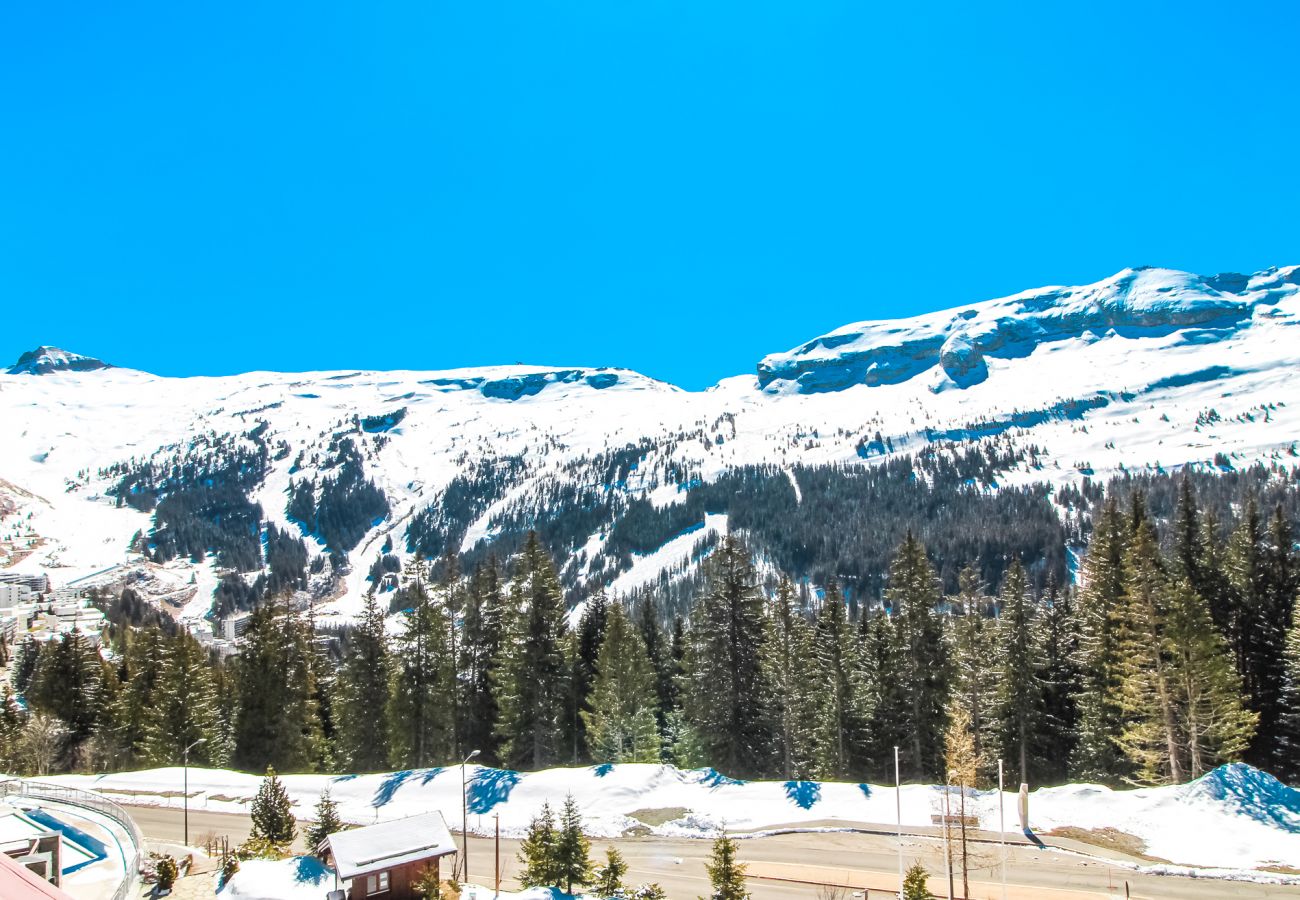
(1008, 406)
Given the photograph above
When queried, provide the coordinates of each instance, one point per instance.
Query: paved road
(862, 860)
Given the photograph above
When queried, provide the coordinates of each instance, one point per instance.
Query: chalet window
(377, 884)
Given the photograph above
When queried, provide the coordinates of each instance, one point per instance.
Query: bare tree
(40, 742)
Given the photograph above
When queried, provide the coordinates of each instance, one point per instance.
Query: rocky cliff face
(958, 343)
(44, 360)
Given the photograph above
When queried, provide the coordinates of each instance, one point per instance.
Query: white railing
(57, 793)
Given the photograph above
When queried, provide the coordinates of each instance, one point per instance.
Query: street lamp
(464, 818)
(185, 786)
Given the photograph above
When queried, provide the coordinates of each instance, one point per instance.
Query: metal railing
(58, 793)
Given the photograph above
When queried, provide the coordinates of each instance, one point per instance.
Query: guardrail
(57, 793)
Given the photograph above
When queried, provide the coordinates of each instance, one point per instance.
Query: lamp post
(185, 786)
(898, 811)
(464, 818)
(1002, 829)
(947, 832)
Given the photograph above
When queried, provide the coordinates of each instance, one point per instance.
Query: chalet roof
(374, 848)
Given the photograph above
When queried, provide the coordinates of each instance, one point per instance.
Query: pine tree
(11, 729)
(364, 682)
(1213, 724)
(532, 679)
(1058, 639)
(183, 712)
(790, 670)
(726, 875)
(143, 668)
(973, 655)
(916, 883)
(921, 658)
(572, 849)
(620, 721)
(659, 649)
(881, 653)
(1019, 694)
(480, 650)
(723, 681)
(1149, 737)
(840, 710)
(1288, 750)
(68, 684)
(608, 881)
(1101, 711)
(272, 813)
(537, 851)
(276, 720)
(420, 709)
(326, 822)
(588, 641)
(1244, 564)
(1280, 584)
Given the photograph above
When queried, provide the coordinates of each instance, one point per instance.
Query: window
(377, 884)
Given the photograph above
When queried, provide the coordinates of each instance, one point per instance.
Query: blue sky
(676, 187)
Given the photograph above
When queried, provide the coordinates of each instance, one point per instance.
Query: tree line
(1173, 656)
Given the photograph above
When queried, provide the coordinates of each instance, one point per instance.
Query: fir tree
(724, 686)
(1280, 583)
(1059, 642)
(1288, 750)
(480, 650)
(1150, 737)
(572, 849)
(363, 744)
(1101, 711)
(789, 662)
(840, 710)
(537, 851)
(916, 883)
(726, 874)
(620, 722)
(325, 823)
(588, 640)
(608, 881)
(184, 706)
(420, 709)
(532, 678)
(920, 657)
(276, 720)
(1214, 726)
(68, 684)
(973, 655)
(1019, 694)
(659, 650)
(143, 664)
(272, 813)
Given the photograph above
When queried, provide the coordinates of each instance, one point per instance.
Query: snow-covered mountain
(1148, 368)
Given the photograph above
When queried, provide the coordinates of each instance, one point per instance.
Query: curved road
(795, 865)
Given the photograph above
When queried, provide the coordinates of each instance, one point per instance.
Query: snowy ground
(1235, 818)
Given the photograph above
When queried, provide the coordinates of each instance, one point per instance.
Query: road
(778, 863)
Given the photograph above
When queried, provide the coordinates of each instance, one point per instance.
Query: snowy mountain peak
(44, 360)
(1134, 303)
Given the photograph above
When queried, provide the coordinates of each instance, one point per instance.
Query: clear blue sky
(677, 187)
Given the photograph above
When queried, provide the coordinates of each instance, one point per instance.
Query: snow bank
(298, 878)
(1235, 817)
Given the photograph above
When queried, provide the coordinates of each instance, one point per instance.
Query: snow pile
(1235, 817)
(298, 878)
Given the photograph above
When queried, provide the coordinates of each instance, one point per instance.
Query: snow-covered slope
(1147, 368)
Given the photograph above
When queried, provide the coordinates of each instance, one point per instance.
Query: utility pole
(497, 850)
